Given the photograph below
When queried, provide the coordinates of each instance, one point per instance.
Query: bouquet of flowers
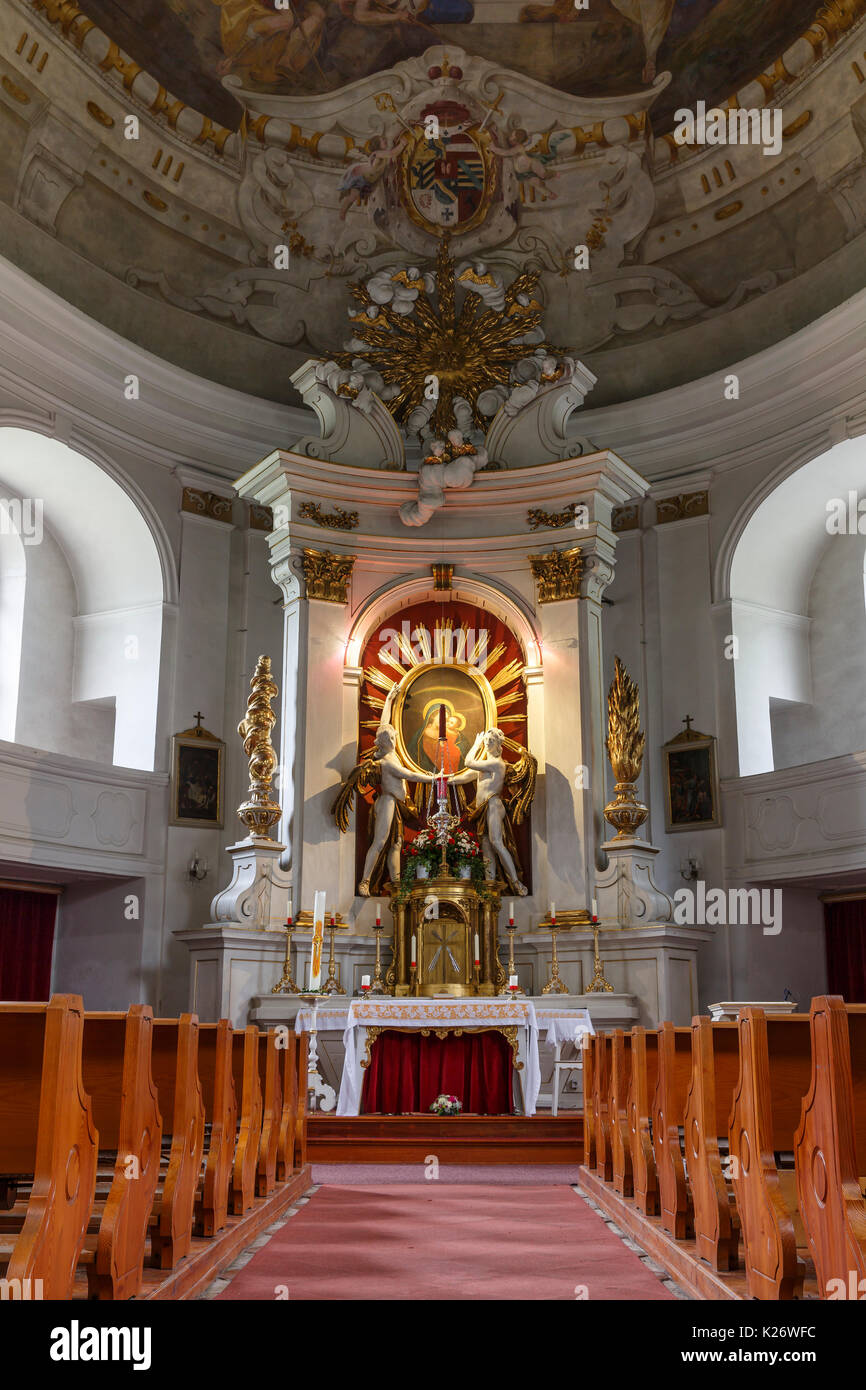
(446, 1105)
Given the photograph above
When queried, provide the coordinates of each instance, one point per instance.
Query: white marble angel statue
(381, 771)
(498, 782)
(451, 463)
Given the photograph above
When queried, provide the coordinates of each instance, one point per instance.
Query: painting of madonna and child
(419, 718)
(604, 48)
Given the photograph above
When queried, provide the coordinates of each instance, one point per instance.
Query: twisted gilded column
(259, 812)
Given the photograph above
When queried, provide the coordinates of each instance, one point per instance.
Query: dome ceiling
(608, 48)
(211, 179)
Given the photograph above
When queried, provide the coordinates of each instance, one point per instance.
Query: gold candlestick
(286, 983)
(332, 984)
(378, 985)
(555, 984)
(598, 984)
(512, 968)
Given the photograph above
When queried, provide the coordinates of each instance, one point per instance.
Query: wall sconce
(197, 869)
(690, 869)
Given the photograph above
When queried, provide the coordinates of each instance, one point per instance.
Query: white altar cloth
(438, 1013)
(564, 1025)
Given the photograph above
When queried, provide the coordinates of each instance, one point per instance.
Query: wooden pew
(302, 1059)
(642, 1085)
(117, 1076)
(215, 1058)
(289, 1114)
(272, 1106)
(674, 1074)
(245, 1069)
(175, 1073)
(601, 1121)
(774, 1076)
(715, 1068)
(47, 1134)
(830, 1147)
(620, 1069)
(589, 1043)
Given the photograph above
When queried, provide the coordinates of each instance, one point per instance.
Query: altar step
(456, 1139)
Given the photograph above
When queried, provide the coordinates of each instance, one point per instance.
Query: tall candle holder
(598, 984)
(332, 984)
(378, 986)
(555, 984)
(286, 983)
(512, 968)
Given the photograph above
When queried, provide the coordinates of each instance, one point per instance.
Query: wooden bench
(49, 1136)
(830, 1147)
(642, 1086)
(620, 1071)
(289, 1114)
(674, 1048)
(715, 1068)
(118, 1078)
(174, 1064)
(272, 1107)
(589, 1155)
(302, 1052)
(248, 1088)
(601, 1118)
(774, 1076)
(215, 1069)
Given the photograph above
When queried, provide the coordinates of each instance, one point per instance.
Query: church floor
(482, 1235)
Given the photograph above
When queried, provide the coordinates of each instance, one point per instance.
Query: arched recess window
(81, 599)
(799, 616)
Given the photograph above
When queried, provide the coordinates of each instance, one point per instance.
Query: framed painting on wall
(691, 782)
(197, 779)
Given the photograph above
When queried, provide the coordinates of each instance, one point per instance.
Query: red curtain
(408, 1071)
(26, 943)
(845, 924)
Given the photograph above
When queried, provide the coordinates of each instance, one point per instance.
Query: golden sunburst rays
(444, 644)
(467, 351)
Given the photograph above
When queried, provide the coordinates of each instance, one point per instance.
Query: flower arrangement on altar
(423, 857)
(446, 1105)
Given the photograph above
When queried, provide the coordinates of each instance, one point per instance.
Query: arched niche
(799, 618)
(91, 612)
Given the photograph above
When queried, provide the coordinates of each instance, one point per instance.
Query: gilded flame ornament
(259, 812)
(625, 748)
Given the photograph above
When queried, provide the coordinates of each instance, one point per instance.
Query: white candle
(595, 907)
(414, 955)
(365, 981)
(378, 914)
(553, 912)
(511, 911)
(318, 938)
(512, 982)
(477, 950)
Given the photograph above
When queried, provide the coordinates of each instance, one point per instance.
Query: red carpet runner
(430, 1241)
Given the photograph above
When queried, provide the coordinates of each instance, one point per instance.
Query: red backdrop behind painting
(501, 661)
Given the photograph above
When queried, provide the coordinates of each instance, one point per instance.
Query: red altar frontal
(408, 1069)
(401, 1053)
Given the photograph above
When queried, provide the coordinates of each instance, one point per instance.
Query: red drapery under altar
(408, 1071)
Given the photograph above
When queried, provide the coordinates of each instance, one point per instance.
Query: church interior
(433, 654)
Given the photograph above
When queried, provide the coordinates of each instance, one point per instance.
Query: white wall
(834, 722)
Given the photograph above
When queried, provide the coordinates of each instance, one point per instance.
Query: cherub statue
(499, 782)
(487, 284)
(380, 770)
(451, 463)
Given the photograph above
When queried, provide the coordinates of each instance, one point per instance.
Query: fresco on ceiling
(614, 47)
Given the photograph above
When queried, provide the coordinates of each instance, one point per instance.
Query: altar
(366, 1022)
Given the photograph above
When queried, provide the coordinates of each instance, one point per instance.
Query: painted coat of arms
(449, 176)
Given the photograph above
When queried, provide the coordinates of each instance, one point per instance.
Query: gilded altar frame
(488, 699)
